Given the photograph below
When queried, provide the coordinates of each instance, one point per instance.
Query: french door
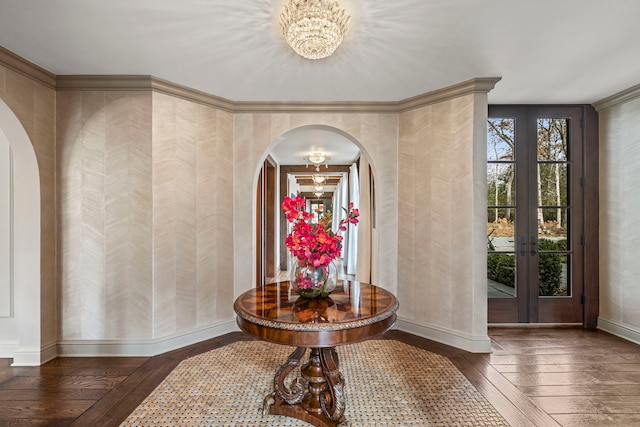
(535, 214)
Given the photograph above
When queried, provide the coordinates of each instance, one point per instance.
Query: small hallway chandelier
(317, 159)
(314, 28)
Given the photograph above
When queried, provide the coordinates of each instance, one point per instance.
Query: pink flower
(314, 244)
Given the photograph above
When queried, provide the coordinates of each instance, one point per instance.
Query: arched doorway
(21, 328)
(297, 175)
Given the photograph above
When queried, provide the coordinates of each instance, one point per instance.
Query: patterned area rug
(226, 387)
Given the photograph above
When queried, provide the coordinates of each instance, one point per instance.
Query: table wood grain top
(353, 312)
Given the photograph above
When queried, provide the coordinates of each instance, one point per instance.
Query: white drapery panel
(351, 248)
(363, 259)
(340, 202)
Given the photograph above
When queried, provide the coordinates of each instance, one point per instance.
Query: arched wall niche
(26, 243)
(257, 134)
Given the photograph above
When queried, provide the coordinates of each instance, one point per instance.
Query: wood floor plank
(111, 371)
(588, 404)
(582, 390)
(61, 382)
(53, 395)
(573, 378)
(606, 367)
(564, 359)
(608, 420)
(36, 422)
(26, 409)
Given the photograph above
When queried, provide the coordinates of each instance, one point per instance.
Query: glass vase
(313, 282)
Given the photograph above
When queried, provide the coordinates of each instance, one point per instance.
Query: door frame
(588, 239)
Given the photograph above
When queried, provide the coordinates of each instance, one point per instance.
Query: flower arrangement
(313, 245)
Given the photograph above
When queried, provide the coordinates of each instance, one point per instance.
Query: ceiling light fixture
(314, 28)
(318, 179)
(317, 159)
(319, 194)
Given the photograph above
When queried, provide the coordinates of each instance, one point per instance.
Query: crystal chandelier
(318, 179)
(317, 159)
(314, 28)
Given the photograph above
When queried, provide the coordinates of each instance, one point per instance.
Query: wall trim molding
(142, 82)
(467, 87)
(457, 339)
(139, 82)
(144, 348)
(618, 329)
(8, 348)
(28, 69)
(27, 356)
(618, 98)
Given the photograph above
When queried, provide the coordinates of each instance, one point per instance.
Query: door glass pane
(500, 139)
(500, 233)
(553, 272)
(554, 185)
(501, 200)
(553, 226)
(501, 275)
(501, 188)
(553, 138)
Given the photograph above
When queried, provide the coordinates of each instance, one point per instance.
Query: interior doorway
(267, 203)
(290, 159)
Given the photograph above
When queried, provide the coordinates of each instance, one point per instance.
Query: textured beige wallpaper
(441, 230)
(145, 226)
(105, 195)
(619, 218)
(192, 222)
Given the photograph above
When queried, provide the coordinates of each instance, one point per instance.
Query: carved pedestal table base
(321, 394)
(357, 312)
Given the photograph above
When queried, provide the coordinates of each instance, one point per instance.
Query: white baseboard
(8, 348)
(144, 348)
(27, 356)
(470, 343)
(621, 330)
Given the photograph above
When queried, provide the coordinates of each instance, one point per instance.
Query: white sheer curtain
(363, 258)
(340, 202)
(351, 248)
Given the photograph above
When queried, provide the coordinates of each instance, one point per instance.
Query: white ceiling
(546, 51)
(294, 145)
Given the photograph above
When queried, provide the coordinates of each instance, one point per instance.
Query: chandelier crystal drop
(314, 28)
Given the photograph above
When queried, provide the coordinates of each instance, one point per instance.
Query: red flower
(314, 244)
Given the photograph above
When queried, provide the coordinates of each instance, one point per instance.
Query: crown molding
(467, 87)
(138, 82)
(475, 85)
(28, 69)
(618, 98)
(316, 107)
(135, 82)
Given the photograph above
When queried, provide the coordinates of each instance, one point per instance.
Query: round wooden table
(354, 312)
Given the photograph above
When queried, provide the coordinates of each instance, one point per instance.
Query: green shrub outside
(549, 267)
(501, 267)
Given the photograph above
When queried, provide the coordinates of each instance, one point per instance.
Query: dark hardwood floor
(534, 377)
